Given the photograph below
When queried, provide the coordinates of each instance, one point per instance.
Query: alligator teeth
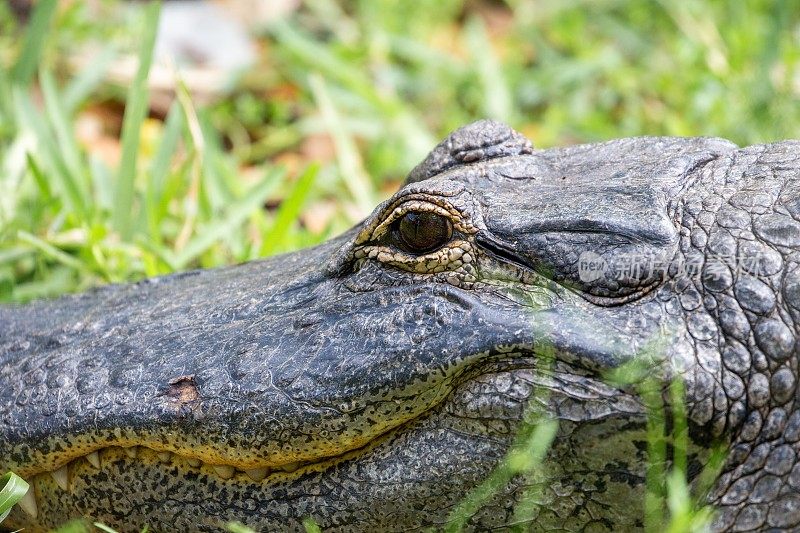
(224, 471)
(28, 503)
(94, 459)
(290, 467)
(61, 477)
(257, 474)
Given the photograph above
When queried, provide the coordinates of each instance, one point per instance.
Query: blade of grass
(5, 87)
(289, 210)
(28, 61)
(528, 455)
(640, 373)
(67, 146)
(41, 180)
(51, 251)
(87, 80)
(311, 526)
(14, 254)
(192, 199)
(135, 112)
(73, 526)
(497, 100)
(28, 116)
(238, 527)
(167, 147)
(102, 182)
(406, 122)
(680, 428)
(234, 216)
(216, 169)
(102, 527)
(657, 456)
(159, 170)
(12, 491)
(12, 172)
(351, 168)
(164, 226)
(687, 503)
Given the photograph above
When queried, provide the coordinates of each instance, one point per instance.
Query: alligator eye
(420, 232)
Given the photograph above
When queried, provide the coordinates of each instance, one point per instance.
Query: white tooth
(94, 459)
(61, 476)
(165, 456)
(28, 503)
(290, 467)
(194, 462)
(132, 452)
(224, 471)
(257, 474)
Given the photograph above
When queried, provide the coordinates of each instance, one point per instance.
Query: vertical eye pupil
(420, 232)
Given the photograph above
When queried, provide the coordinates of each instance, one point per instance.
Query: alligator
(371, 382)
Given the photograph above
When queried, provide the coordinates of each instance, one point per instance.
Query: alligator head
(369, 383)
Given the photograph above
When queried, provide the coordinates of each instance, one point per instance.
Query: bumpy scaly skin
(370, 388)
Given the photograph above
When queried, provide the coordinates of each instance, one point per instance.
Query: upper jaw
(277, 362)
(440, 437)
(258, 366)
(280, 380)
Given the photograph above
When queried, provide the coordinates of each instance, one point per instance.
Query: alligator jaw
(255, 387)
(80, 473)
(269, 391)
(150, 473)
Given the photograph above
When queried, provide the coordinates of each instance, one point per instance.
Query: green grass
(12, 489)
(175, 200)
(346, 98)
(672, 503)
(527, 455)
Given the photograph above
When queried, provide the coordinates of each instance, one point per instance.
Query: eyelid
(420, 206)
(418, 263)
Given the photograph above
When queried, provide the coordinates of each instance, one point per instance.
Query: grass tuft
(135, 112)
(12, 489)
(25, 67)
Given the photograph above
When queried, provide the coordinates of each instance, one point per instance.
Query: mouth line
(143, 452)
(66, 477)
(77, 473)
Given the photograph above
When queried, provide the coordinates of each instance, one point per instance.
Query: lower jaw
(77, 490)
(127, 495)
(413, 474)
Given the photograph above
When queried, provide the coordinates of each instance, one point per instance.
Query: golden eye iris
(421, 232)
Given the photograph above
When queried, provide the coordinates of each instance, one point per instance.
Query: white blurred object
(206, 43)
(201, 33)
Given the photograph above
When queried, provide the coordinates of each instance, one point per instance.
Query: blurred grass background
(99, 184)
